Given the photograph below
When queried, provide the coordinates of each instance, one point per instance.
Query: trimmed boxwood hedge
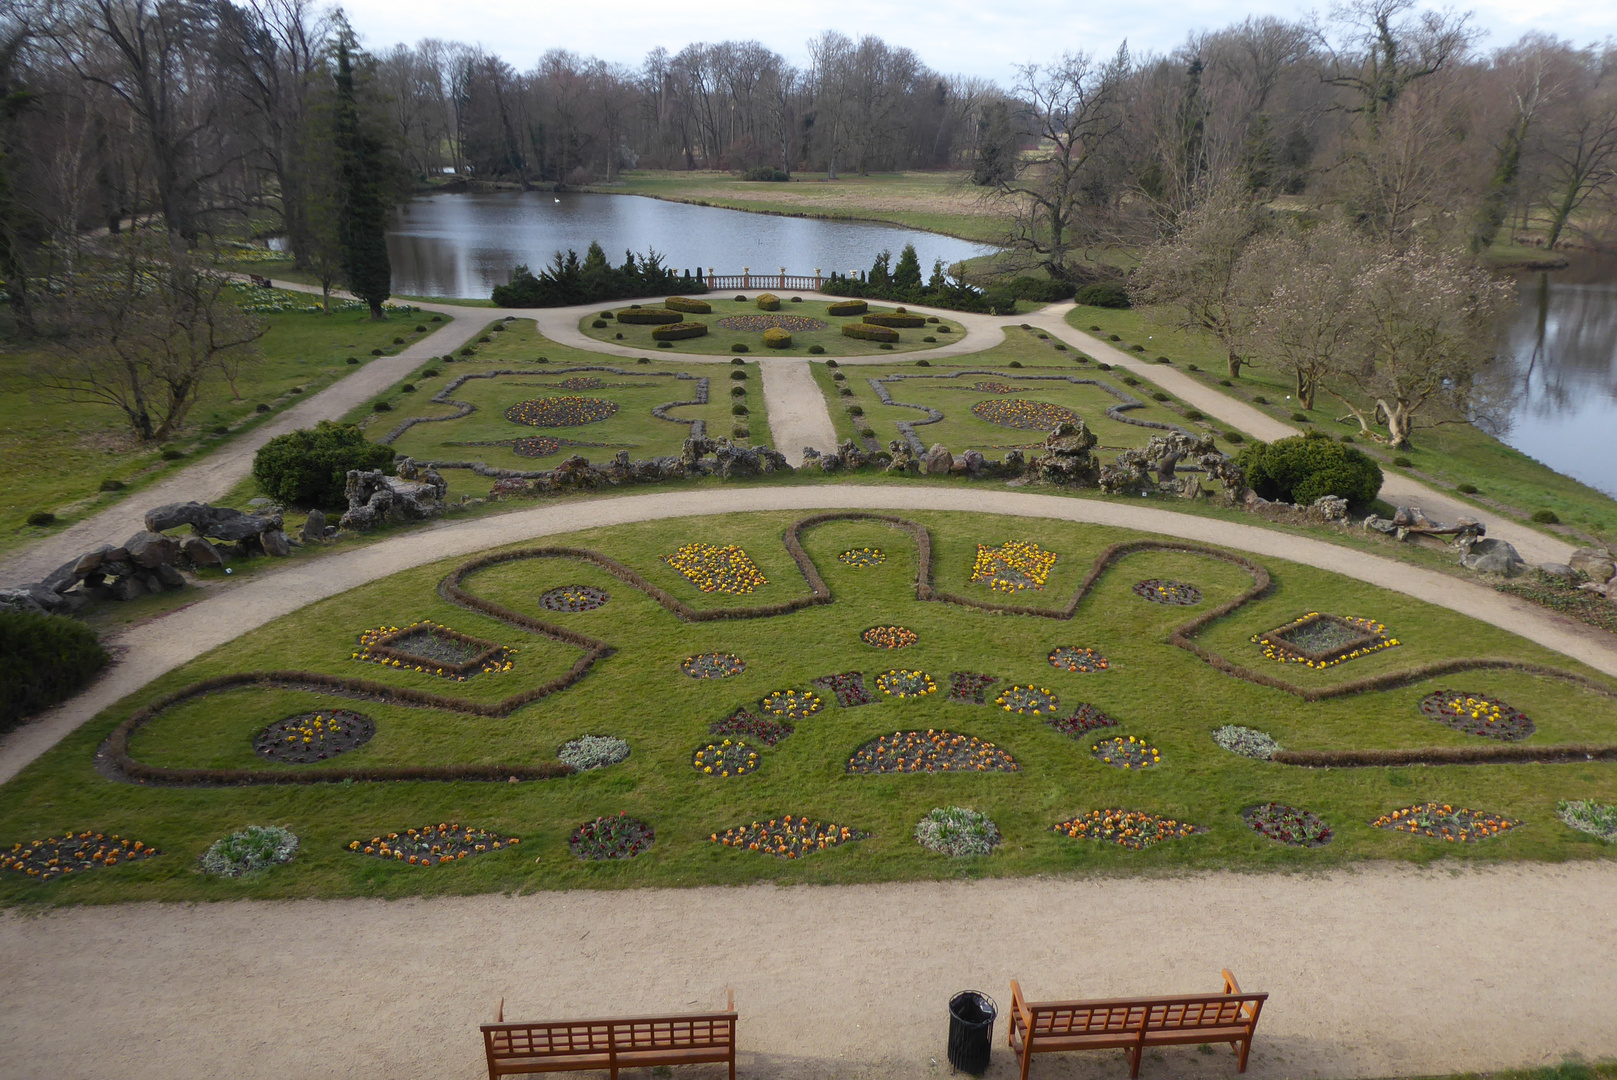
(648, 315)
(847, 307)
(768, 302)
(884, 318)
(47, 659)
(868, 332)
(777, 338)
(1303, 468)
(679, 331)
(688, 306)
(309, 467)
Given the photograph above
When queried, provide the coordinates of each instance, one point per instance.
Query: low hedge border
(892, 319)
(867, 332)
(643, 316)
(679, 331)
(847, 307)
(688, 306)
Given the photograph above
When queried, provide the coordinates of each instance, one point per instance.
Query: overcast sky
(971, 37)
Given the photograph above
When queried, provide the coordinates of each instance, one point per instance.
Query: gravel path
(797, 411)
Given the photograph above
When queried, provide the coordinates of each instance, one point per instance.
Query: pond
(465, 244)
(1558, 373)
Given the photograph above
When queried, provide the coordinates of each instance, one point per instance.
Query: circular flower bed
(713, 665)
(786, 837)
(847, 686)
(1248, 742)
(930, 751)
(1072, 658)
(792, 704)
(1013, 566)
(1476, 714)
(314, 736)
(1027, 699)
(254, 848)
(905, 684)
(1168, 592)
(890, 637)
(994, 388)
(536, 446)
(1126, 753)
(72, 853)
(574, 598)
(1125, 828)
(744, 724)
(593, 752)
(1441, 821)
(617, 836)
(1287, 824)
(957, 831)
(432, 845)
(1024, 414)
(581, 382)
(727, 758)
(757, 324)
(717, 569)
(863, 557)
(1084, 719)
(570, 411)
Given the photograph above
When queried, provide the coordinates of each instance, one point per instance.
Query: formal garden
(719, 324)
(820, 698)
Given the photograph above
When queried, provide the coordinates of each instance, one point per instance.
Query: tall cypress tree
(364, 190)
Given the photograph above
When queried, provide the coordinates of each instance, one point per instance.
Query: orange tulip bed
(1126, 753)
(316, 736)
(1125, 828)
(71, 854)
(862, 557)
(1072, 658)
(1028, 700)
(969, 688)
(713, 665)
(889, 637)
(433, 845)
(744, 725)
(574, 598)
(713, 569)
(786, 837)
(792, 704)
(571, 411)
(847, 687)
(1440, 821)
(930, 751)
(1168, 592)
(1287, 825)
(614, 836)
(1084, 719)
(727, 758)
(1476, 714)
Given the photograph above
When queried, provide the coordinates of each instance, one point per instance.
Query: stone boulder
(938, 461)
(1128, 475)
(201, 554)
(1597, 562)
(375, 497)
(1557, 570)
(1067, 458)
(903, 458)
(1492, 556)
(216, 522)
(150, 550)
(314, 527)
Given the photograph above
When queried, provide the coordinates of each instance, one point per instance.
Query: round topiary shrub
(737, 361)
(1301, 469)
(1104, 294)
(437, 318)
(618, 336)
(47, 659)
(739, 375)
(1259, 399)
(1546, 517)
(310, 467)
(930, 339)
(918, 363)
(484, 340)
(1193, 414)
(1301, 418)
(738, 391)
(428, 373)
(1234, 437)
(257, 847)
(1014, 363)
(261, 408)
(1344, 438)
(381, 406)
(777, 338)
(942, 329)
(599, 324)
(408, 388)
(1466, 489)
(172, 454)
(353, 360)
(740, 299)
(400, 341)
(665, 344)
(739, 347)
(738, 409)
(421, 329)
(1158, 395)
(41, 517)
(740, 431)
(817, 350)
(886, 345)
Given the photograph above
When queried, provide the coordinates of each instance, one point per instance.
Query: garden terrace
(734, 322)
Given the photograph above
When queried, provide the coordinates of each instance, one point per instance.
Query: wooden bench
(613, 1043)
(1132, 1024)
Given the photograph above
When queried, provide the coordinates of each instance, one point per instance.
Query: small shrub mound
(1105, 294)
(776, 338)
(1546, 517)
(1125, 828)
(678, 332)
(616, 836)
(1302, 469)
(867, 332)
(257, 847)
(767, 302)
(41, 517)
(786, 838)
(957, 831)
(688, 306)
(46, 659)
(1590, 817)
(1245, 741)
(309, 467)
(593, 752)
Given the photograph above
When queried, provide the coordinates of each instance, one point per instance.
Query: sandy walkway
(798, 416)
(1375, 972)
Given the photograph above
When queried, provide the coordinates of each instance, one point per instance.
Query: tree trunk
(1561, 212)
(1235, 363)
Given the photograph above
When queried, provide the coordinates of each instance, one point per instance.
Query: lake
(465, 244)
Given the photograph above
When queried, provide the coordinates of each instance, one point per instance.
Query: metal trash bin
(971, 1031)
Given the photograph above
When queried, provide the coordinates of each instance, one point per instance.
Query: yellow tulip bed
(1320, 641)
(792, 704)
(1084, 719)
(433, 845)
(1028, 700)
(970, 688)
(72, 853)
(727, 758)
(717, 569)
(889, 637)
(310, 737)
(1072, 658)
(786, 837)
(713, 665)
(1013, 566)
(1168, 592)
(901, 683)
(930, 751)
(431, 649)
(1476, 714)
(574, 598)
(611, 836)
(570, 411)
(862, 557)
(1126, 753)
(743, 724)
(1440, 821)
(1125, 828)
(848, 687)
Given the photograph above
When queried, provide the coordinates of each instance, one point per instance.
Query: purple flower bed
(1287, 824)
(970, 689)
(615, 837)
(753, 728)
(848, 687)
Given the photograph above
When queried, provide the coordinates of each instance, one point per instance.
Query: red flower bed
(743, 724)
(848, 687)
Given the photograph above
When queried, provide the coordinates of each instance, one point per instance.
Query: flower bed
(929, 751)
(1013, 566)
(969, 688)
(72, 853)
(1168, 592)
(1475, 714)
(1072, 658)
(902, 683)
(712, 569)
(536, 446)
(792, 704)
(786, 837)
(574, 598)
(1322, 641)
(1030, 699)
(1594, 818)
(569, 411)
(1084, 719)
(957, 831)
(757, 324)
(995, 388)
(1287, 824)
(1125, 828)
(1245, 741)
(256, 847)
(433, 650)
(581, 382)
(713, 665)
(314, 736)
(433, 845)
(743, 724)
(593, 752)
(617, 836)
(1440, 821)
(1023, 414)
(727, 758)
(848, 687)
(1126, 753)
(890, 637)
(860, 557)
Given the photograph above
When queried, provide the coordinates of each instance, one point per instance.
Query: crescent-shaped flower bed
(929, 751)
(787, 837)
(713, 665)
(310, 737)
(902, 683)
(957, 831)
(432, 649)
(792, 704)
(863, 557)
(433, 845)
(1073, 658)
(712, 569)
(742, 724)
(1013, 566)
(574, 598)
(890, 637)
(1126, 753)
(1022, 414)
(970, 688)
(1084, 719)
(570, 411)
(1440, 821)
(72, 853)
(847, 687)
(1320, 641)
(1125, 828)
(1287, 824)
(1476, 714)
(616, 836)
(1028, 700)
(1157, 591)
(726, 758)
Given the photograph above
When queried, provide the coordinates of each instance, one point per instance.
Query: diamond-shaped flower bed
(1125, 828)
(1440, 821)
(713, 665)
(969, 688)
(890, 637)
(1126, 753)
(994, 388)
(742, 724)
(72, 853)
(433, 650)
(901, 683)
(314, 736)
(1013, 566)
(717, 569)
(1028, 701)
(1287, 824)
(1072, 658)
(1320, 641)
(1024, 414)
(787, 837)
(616, 836)
(571, 411)
(860, 557)
(574, 598)
(1168, 592)
(848, 687)
(581, 382)
(433, 845)
(536, 446)
(929, 751)
(726, 758)
(1084, 719)
(1476, 714)
(792, 704)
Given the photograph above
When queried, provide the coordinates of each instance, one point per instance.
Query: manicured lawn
(752, 322)
(1156, 691)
